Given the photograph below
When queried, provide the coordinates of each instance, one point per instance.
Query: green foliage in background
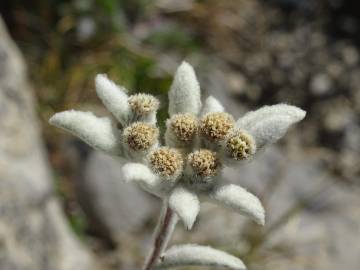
(67, 42)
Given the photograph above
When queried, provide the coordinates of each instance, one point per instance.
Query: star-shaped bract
(200, 140)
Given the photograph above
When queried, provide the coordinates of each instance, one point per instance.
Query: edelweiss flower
(199, 142)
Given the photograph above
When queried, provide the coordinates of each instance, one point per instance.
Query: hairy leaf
(195, 255)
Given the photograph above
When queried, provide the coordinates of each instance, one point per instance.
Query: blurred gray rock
(324, 232)
(217, 82)
(320, 84)
(33, 230)
(116, 208)
(321, 230)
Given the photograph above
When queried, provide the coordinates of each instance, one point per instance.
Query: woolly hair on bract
(186, 205)
(195, 255)
(240, 200)
(270, 123)
(211, 105)
(98, 132)
(114, 98)
(184, 94)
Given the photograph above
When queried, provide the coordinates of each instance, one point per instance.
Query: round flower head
(204, 163)
(166, 162)
(240, 145)
(215, 126)
(184, 127)
(140, 136)
(143, 104)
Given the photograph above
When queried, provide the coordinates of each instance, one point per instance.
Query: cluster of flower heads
(200, 140)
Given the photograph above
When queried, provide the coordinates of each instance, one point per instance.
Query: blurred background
(64, 206)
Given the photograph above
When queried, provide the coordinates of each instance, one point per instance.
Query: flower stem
(162, 234)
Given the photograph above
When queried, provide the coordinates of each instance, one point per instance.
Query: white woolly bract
(149, 118)
(184, 94)
(270, 123)
(143, 176)
(270, 129)
(113, 97)
(294, 113)
(239, 200)
(185, 204)
(195, 255)
(95, 131)
(211, 105)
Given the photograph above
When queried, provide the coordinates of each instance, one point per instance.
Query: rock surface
(33, 230)
(115, 207)
(320, 230)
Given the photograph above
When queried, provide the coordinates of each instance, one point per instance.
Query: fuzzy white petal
(239, 200)
(114, 98)
(185, 204)
(195, 255)
(143, 176)
(294, 113)
(212, 105)
(96, 131)
(184, 94)
(270, 130)
(150, 118)
(270, 123)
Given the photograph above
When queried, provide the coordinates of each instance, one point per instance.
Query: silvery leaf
(142, 175)
(270, 130)
(150, 118)
(185, 204)
(195, 255)
(96, 131)
(184, 94)
(211, 105)
(114, 98)
(239, 200)
(269, 123)
(295, 113)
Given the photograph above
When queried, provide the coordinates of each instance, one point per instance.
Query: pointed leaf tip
(113, 97)
(185, 204)
(184, 94)
(239, 200)
(212, 105)
(185, 64)
(301, 114)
